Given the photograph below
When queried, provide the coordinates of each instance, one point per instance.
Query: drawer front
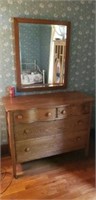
(40, 129)
(52, 145)
(29, 116)
(69, 110)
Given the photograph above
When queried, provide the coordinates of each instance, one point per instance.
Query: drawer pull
(49, 114)
(19, 116)
(27, 149)
(63, 112)
(26, 132)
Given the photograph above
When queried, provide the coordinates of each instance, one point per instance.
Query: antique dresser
(47, 124)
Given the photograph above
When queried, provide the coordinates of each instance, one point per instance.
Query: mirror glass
(42, 49)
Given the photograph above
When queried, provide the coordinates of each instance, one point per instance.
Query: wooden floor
(68, 176)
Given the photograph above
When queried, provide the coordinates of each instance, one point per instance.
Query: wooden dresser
(47, 124)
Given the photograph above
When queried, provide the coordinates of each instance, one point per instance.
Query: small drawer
(76, 109)
(46, 114)
(29, 116)
(25, 116)
(63, 112)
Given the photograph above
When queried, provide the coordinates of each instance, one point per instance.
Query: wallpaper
(81, 73)
(35, 46)
(29, 40)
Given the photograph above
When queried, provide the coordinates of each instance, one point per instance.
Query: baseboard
(5, 151)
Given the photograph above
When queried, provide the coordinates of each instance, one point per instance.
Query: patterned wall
(29, 39)
(34, 45)
(81, 13)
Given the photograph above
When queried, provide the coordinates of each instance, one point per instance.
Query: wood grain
(47, 124)
(44, 100)
(29, 116)
(47, 146)
(40, 129)
(66, 177)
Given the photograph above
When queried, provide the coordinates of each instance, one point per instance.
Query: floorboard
(68, 176)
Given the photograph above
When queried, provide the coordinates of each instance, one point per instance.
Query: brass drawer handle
(27, 149)
(19, 116)
(49, 114)
(63, 112)
(26, 132)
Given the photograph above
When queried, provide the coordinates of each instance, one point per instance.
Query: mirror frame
(19, 86)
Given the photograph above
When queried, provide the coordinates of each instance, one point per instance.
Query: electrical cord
(3, 175)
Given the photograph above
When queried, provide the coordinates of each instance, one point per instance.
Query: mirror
(42, 53)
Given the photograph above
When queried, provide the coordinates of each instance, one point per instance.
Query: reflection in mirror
(42, 59)
(34, 52)
(57, 54)
(43, 53)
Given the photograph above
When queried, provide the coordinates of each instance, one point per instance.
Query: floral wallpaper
(81, 13)
(35, 46)
(29, 37)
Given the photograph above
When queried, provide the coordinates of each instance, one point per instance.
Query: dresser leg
(14, 171)
(16, 176)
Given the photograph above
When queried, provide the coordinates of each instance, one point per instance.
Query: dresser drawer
(29, 116)
(36, 129)
(75, 109)
(36, 148)
(40, 129)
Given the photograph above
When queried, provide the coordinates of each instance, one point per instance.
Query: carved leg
(14, 170)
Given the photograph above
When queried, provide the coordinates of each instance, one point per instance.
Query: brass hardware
(19, 116)
(49, 114)
(64, 112)
(26, 131)
(27, 149)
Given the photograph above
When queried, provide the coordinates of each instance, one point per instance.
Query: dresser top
(44, 100)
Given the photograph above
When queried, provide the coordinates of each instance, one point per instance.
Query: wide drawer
(29, 116)
(47, 146)
(73, 109)
(40, 129)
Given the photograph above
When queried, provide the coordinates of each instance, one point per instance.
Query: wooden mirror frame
(19, 86)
